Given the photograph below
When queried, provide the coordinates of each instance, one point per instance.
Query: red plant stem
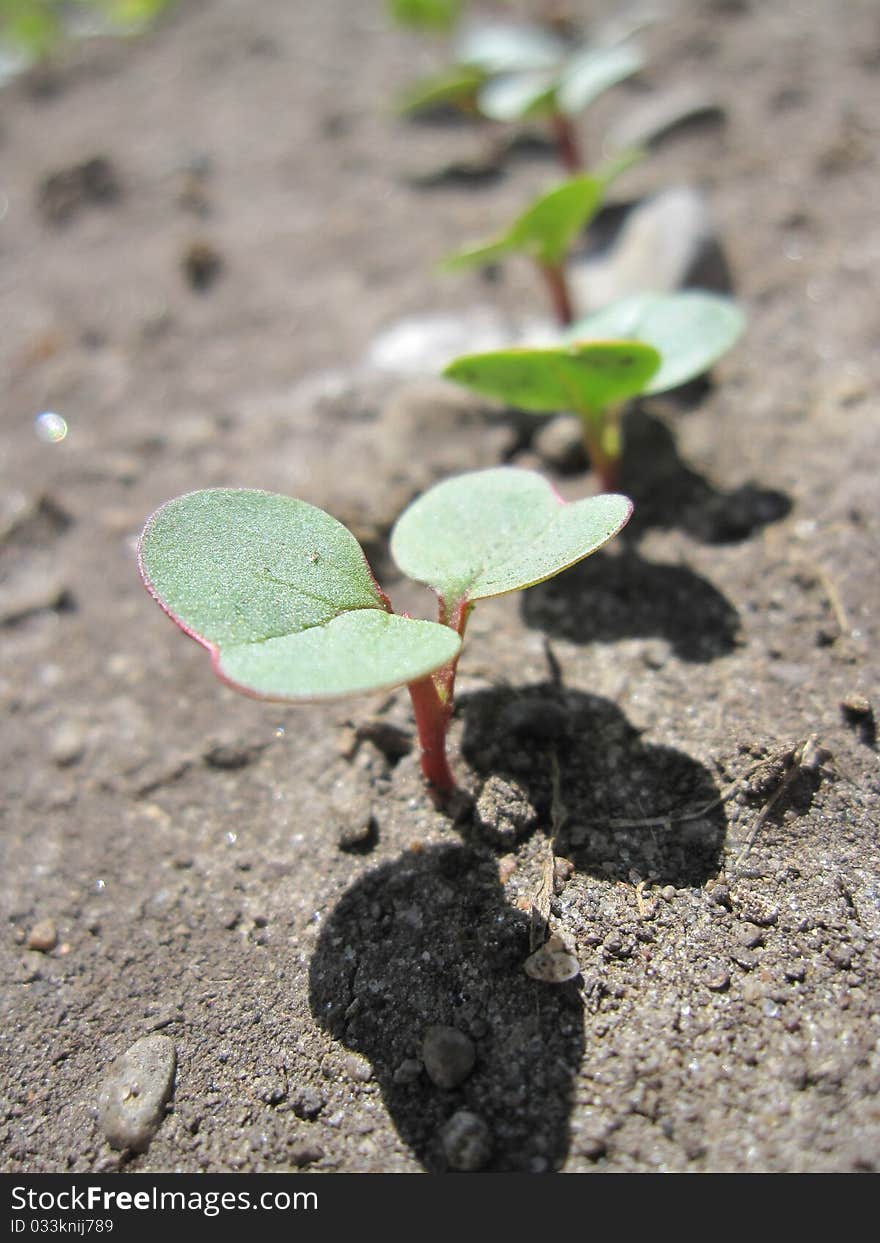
(432, 705)
(567, 143)
(432, 713)
(554, 278)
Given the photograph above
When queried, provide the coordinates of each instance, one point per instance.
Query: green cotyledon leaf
(547, 228)
(457, 86)
(490, 532)
(283, 597)
(440, 15)
(585, 377)
(591, 71)
(691, 329)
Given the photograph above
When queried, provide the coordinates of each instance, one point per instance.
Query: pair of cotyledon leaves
(674, 337)
(641, 345)
(514, 72)
(283, 597)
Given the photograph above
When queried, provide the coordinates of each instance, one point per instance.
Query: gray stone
(136, 1089)
(449, 1056)
(467, 1142)
(308, 1103)
(420, 345)
(67, 743)
(31, 592)
(661, 113)
(660, 243)
(43, 936)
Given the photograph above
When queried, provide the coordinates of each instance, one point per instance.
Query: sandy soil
(269, 887)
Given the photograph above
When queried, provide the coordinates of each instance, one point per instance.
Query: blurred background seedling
(641, 345)
(546, 231)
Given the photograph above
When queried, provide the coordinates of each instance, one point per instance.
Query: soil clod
(136, 1089)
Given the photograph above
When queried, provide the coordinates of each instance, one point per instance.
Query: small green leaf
(590, 72)
(586, 378)
(458, 87)
(545, 231)
(490, 532)
(32, 27)
(282, 595)
(479, 256)
(134, 14)
(690, 329)
(517, 96)
(425, 14)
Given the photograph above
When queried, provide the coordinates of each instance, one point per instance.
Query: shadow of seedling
(618, 595)
(618, 805)
(430, 940)
(668, 493)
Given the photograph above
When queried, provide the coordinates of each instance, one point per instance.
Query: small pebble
(552, 963)
(859, 714)
(358, 1068)
(271, 1089)
(306, 1153)
(841, 956)
(667, 893)
(717, 978)
(744, 958)
(449, 1056)
(467, 1143)
(308, 1103)
(563, 870)
(506, 868)
(67, 744)
(136, 1088)
(358, 835)
(749, 935)
(43, 936)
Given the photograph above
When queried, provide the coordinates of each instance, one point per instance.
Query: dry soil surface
(670, 750)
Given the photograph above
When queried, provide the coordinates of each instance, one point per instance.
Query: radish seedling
(545, 232)
(512, 73)
(532, 74)
(283, 598)
(662, 341)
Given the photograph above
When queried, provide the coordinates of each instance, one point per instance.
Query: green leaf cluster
(282, 596)
(36, 28)
(514, 72)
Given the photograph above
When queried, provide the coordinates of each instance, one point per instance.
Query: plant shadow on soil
(617, 595)
(431, 938)
(667, 493)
